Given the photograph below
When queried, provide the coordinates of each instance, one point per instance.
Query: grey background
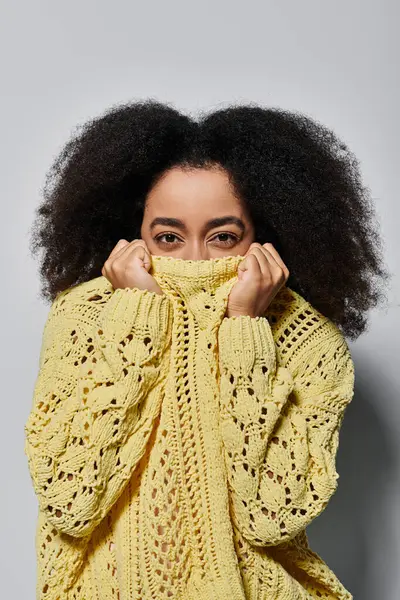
(62, 63)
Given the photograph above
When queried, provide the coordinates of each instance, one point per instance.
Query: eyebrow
(216, 222)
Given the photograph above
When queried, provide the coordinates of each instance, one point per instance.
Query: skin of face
(191, 198)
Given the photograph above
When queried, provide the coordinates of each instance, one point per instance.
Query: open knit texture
(180, 454)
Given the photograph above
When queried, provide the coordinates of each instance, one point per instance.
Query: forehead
(188, 191)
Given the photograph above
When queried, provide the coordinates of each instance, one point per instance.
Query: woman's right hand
(128, 265)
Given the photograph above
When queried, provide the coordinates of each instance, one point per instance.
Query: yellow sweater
(180, 454)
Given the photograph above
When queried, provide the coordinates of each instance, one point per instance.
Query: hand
(260, 276)
(128, 265)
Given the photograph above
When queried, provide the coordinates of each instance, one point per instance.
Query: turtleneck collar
(204, 285)
(188, 277)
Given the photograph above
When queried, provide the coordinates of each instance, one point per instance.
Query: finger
(272, 250)
(141, 251)
(275, 263)
(136, 249)
(250, 263)
(120, 244)
(266, 261)
(116, 252)
(119, 248)
(125, 251)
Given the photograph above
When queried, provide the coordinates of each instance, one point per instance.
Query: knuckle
(117, 266)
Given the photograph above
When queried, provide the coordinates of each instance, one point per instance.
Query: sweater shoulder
(289, 306)
(78, 305)
(81, 301)
(98, 288)
(299, 328)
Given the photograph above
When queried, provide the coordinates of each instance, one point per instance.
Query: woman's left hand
(260, 276)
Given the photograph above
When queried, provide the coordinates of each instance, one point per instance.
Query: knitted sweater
(180, 454)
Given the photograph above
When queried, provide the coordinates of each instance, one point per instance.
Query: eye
(231, 240)
(158, 238)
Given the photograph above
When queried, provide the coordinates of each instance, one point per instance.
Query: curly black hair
(301, 184)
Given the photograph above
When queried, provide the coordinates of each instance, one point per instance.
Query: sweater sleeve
(98, 391)
(280, 425)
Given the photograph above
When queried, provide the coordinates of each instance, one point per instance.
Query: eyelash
(234, 238)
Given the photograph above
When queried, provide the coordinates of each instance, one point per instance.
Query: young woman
(194, 372)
